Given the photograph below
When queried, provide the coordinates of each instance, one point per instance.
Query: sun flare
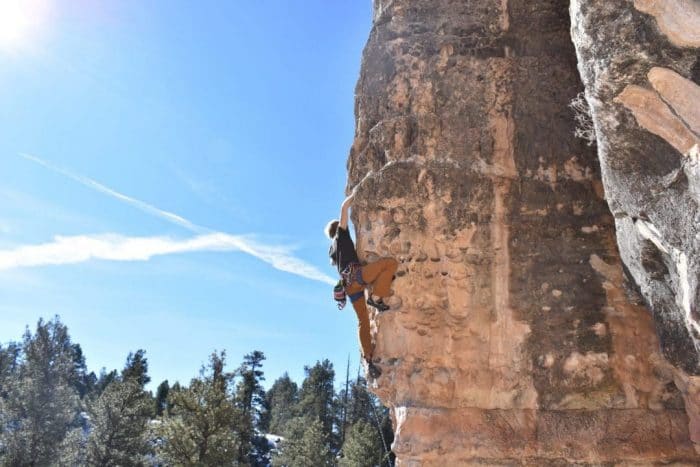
(20, 20)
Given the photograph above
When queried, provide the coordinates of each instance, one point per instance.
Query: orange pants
(379, 275)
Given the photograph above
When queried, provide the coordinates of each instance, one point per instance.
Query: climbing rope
(387, 451)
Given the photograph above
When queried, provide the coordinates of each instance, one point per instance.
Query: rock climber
(356, 278)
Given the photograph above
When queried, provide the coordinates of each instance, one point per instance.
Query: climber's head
(332, 228)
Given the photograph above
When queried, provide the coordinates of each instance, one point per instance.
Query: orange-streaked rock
(654, 115)
(677, 19)
(681, 94)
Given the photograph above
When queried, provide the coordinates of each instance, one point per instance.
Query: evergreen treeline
(54, 412)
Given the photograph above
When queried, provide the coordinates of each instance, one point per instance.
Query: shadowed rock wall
(640, 62)
(511, 339)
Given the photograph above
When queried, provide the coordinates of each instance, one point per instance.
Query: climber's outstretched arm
(344, 210)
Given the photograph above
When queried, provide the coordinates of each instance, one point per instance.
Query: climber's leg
(356, 292)
(360, 307)
(380, 274)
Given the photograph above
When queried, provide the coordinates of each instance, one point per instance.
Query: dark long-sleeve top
(342, 251)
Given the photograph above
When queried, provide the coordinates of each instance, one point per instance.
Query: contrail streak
(143, 206)
(66, 250)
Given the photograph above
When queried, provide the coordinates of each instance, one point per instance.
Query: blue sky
(116, 116)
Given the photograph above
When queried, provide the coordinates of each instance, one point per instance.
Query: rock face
(513, 338)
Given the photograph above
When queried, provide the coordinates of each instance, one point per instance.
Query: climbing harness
(352, 273)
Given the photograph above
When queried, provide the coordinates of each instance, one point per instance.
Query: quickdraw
(339, 294)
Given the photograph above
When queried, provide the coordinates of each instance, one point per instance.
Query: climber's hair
(332, 228)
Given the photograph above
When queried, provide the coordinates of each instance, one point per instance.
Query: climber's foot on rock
(378, 304)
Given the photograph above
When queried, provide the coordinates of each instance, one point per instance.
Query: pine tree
(201, 426)
(343, 402)
(355, 403)
(387, 434)
(281, 399)
(306, 444)
(364, 407)
(41, 405)
(104, 380)
(250, 398)
(363, 446)
(136, 368)
(9, 364)
(251, 394)
(317, 396)
(362, 403)
(9, 367)
(168, 400)
(88, 385)
(119, 418)
(83, 378)
(161, 399)
(73, 449)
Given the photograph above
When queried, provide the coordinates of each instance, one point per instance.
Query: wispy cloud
(113, 247)
(80, 248)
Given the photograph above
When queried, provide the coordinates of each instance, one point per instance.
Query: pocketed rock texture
(640, 63)
(512, 338)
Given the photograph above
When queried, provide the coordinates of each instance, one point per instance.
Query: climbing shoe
(373, 370)
(379, 304)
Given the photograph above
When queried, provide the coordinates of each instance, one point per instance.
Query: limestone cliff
(513, 338)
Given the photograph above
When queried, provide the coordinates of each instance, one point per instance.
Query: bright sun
(20, 20)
